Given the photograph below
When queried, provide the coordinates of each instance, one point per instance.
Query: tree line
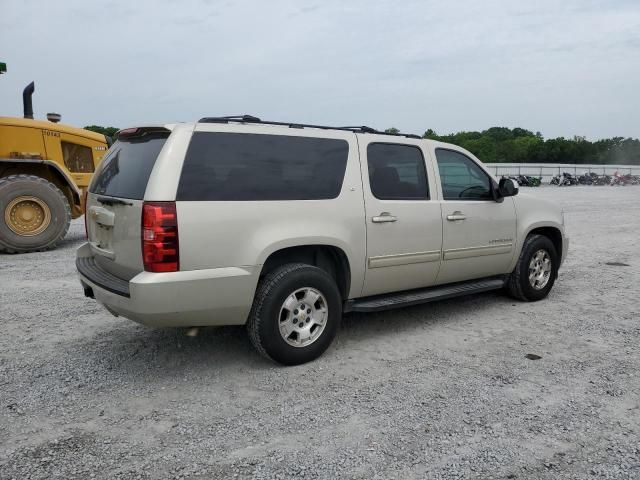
(517, 145)
(108, 131)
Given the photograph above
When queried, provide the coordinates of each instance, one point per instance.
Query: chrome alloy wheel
(540, 269)
(303, 316)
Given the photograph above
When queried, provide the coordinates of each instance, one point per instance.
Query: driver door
(479, 234)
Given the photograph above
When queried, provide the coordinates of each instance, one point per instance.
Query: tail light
(160, 251)
(83, 205)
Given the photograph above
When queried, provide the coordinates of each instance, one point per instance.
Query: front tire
(296, 314)
(34, 214)
(536, 270)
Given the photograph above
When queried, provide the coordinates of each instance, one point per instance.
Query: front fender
(533, 213)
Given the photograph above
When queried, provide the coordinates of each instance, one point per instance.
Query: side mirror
(507, 187)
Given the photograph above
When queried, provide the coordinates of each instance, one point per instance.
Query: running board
(414, 297)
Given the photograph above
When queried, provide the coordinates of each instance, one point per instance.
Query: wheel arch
(330, 258)
(50, 171)
(552, 232)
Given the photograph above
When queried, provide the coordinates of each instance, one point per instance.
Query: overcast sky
(564, 68)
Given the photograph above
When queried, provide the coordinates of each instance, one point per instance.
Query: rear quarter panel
(216, 234)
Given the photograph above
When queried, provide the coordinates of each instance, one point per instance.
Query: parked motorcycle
(603, 180)
(529, 181)
(588, 178)
(622, 179)
(512, 178)
(569, 179)
(566, 179)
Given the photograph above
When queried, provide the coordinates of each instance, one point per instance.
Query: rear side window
(234, 166)
(124, 171)
(397, 172)
(77, 158)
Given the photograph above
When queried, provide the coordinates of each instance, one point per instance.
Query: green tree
(430, 133)
(518, 145)
(108, 131)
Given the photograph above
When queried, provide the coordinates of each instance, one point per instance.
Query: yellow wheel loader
(45, 167)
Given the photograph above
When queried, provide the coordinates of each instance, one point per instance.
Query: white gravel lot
(436, 391)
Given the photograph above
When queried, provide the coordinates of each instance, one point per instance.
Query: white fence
(548, 170)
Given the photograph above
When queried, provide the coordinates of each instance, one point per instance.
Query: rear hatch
(115, 200)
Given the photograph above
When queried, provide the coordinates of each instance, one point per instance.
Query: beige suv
(284, 227)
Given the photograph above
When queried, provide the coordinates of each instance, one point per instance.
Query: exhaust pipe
(26, 100)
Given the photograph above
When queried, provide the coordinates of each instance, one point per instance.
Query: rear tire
(283, 331)
(34, 214)
(536, 270)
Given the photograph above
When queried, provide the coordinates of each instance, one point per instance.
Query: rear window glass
(232, 166)
(124, 171)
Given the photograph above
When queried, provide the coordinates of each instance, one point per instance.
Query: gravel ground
(436, 391)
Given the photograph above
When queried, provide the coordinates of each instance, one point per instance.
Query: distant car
(283, 227)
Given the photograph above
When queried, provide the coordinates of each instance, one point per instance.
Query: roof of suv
(250, 119)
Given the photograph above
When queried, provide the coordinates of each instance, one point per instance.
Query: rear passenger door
(404, 225)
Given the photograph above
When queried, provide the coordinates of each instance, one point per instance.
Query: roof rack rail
(252, 119)
(228, 118)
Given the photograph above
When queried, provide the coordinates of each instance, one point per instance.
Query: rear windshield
(233, 166)
(124, 171)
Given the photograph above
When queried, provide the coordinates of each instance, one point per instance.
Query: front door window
(461, 178)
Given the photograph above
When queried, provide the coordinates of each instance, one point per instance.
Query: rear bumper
(219, 296)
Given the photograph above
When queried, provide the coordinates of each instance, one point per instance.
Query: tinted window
(124, 171)
(235, 166)
(77, 158)
(397, 172)
(461, 177)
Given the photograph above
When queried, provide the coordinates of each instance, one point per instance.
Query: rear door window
(244, 167)
(124, 171)
(397, 172)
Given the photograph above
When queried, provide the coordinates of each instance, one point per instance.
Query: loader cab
(77, 151)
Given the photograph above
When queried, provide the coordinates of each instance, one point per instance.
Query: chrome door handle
(456, 216)
(384, 217)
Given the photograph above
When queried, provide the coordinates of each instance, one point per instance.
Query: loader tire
(34, 214)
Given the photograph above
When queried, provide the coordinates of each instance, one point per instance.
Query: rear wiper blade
(112, 201)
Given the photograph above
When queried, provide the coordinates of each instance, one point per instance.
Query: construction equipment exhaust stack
(26, 100)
